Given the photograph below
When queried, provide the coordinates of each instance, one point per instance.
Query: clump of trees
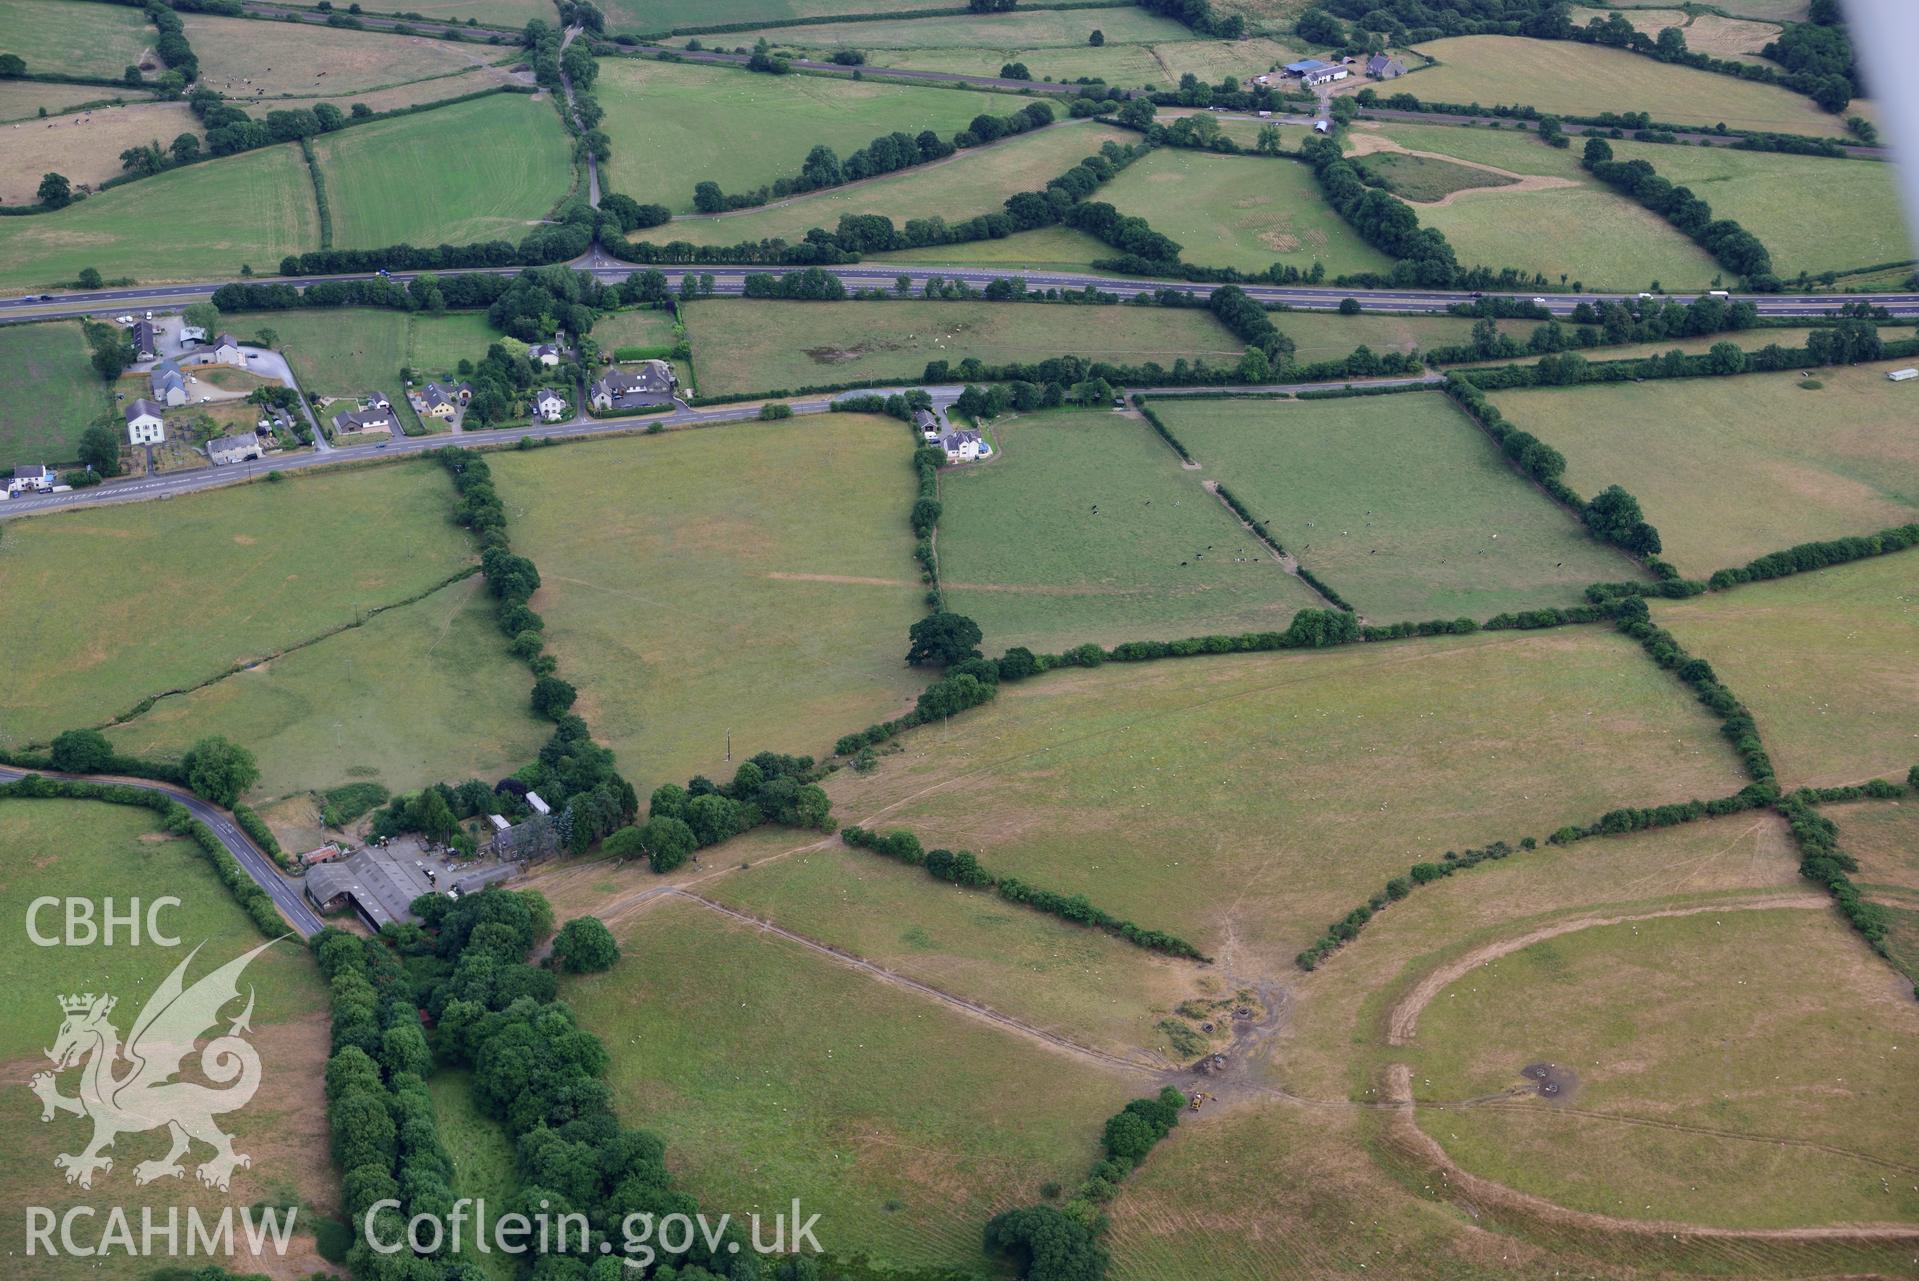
(1738, 250)
(768, 788)
(585, 946)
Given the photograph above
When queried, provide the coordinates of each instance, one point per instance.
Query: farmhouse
(369, 419)
(651, 382)
(1325, 75)
(546, 353)
(33, 478)
(549, 404)
(167, 384)
(226, 450)
(226, 350)
(144, 423)
(146, 345)
(964, 446)
(1381, 67)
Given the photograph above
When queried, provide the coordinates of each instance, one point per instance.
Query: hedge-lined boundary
(1735, 248)
(1820, 555)
(319, 193)
(1821, 860)
(962, 868)
(177, 821)
(255, 826)
(1267, 536)
(961, 11)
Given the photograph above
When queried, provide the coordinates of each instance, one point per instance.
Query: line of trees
(1636, 320)
(768, 788)
(1850, 341)
(888, 153)
(1737, 250)
(1386, 223)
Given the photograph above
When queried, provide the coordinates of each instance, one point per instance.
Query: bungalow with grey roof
(234, 449)
(30, 478)
(167, 384)
(352, 420)
(145, 425)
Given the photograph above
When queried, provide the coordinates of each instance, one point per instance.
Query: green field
(96, 851)
(266, 211)
(1727, 468)
(1017, 30)
(974, 182)
(49, 393)
(1048, 249)
(1814, 214)
(482, 1159)
(1321, 335)
(354, 350)
(419, 694)
(403, 181)
(756, 579)
(1246, 212)
(265, 567)
(1646, 1017)
(1884, 837)
(1080, 983)
(1398, 502)
(1423, 179)
(1159, 64)
(1319, 774)
(1085, 528)
(772, 1072)
(656, 17)
(1824, 660)
(246, 58)
(1744, 339)
(674, 125)
(760, 346)
(64, 37)
(1599, 237)
(640, 327)
(1583, 79)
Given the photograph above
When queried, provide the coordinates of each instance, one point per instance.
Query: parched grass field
(975, 182)
(507, 13)
(354, 350)
(86, 146)
(1086, 528)
(1697, 1021)
(761, 346)
(1399, 502)
(49, 392)
(23, 99)
(656, 17)
(1599, 237)
(1884, 837)
(1705, 32)
(1824, 660)
(1160, 63)
(264, 567)
(772, 1072)
(755, 578)
(92, 850)
(1731, 468)
(1320, 774)
(1584, 79)
(247, 58)
(1016, 30)
(1079, 983)
(1814, 214)
(405, 181)
(67, 37)
(1240, 211)
(412, 93)
(419, 694)
(1048, 249)
(675, 125)
(265, 199)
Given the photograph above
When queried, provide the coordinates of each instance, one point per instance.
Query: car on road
(123, 320)
(46, 297)
(1539, 302)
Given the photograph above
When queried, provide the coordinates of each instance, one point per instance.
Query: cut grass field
(1320, 774)
(677, 124)
(1703, 1020)
(772, 1072)
(100, 852)
(1086, 528)
(1018, 29)
(1582, 79)
(419, 694)
(755, 578)
(1081, 984)
(49, 393)
(23, 100)
(414, 92)
(657, 17)
(1240, 211)
(760, 346)
(1884, 837)
(402, 181)
(1727, 468)
(85, 146)
(265, 199)
(263, 566)
(1824, 660)
(1814, 214)
(640, 327)
(1398, 502)
(67, 37)
(1705, 32)
(354, 350)
(1599, 237)
(974, 182)
(247, 59)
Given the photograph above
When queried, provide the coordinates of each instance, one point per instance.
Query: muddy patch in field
(1280, 242)
(1552, 1082)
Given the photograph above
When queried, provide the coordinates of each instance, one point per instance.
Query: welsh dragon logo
(145, 1096)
